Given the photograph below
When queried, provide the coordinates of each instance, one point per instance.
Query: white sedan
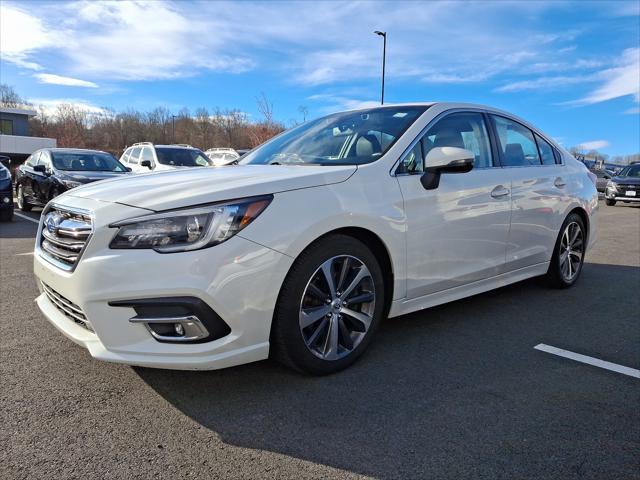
(301, 250)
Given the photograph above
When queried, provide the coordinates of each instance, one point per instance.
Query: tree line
(112, 131)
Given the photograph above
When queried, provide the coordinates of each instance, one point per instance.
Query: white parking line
(21, 215)
(596, 362)
(23, 254)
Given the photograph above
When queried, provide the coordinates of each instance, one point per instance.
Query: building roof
(30, 112)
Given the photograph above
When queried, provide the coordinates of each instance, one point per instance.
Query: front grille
(64, 234)
(67, 307)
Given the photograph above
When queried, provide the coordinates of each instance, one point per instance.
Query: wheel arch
(582, 213)
(377, 246)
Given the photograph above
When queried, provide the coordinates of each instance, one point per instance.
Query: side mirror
(40, 168)
(128, 169)
(441, 160)
(146, 163)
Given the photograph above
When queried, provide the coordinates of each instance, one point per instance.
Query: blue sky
(571, 68)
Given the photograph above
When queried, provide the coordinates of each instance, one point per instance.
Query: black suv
(624, 187)
(49, 172)
(6, 191)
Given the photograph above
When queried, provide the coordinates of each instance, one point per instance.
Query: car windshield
(182, 157)
(86, 161)
(349, 138)
(631, 171)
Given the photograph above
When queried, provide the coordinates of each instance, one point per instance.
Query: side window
(147, 154)
(125, 155)
(516, 143)
(462, 130)
(45, 160)
(412, 163)
(135, 153)
(33, 159)
(546, 152)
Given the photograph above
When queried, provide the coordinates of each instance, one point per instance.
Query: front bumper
(238, 279)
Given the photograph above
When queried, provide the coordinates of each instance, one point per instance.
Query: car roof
(73, 150)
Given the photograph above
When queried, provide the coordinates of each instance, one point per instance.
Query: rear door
(456, 233)
(538, 198)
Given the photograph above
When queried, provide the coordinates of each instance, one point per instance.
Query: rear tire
(22, 203)
(321, 327)
(568, 255)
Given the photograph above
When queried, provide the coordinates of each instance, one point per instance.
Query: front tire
(568, 255)
(22, 203)
(609, 203)
(329, 307)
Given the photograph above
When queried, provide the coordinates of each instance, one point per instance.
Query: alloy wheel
(571, 251)
(337, 307)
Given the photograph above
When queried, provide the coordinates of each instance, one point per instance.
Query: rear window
(182, 157)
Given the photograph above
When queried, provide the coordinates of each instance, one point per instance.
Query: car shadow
(440, 392)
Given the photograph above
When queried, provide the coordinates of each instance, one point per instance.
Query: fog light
(6, 199)
(179, 329)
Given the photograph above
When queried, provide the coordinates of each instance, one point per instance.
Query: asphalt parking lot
(456, 391)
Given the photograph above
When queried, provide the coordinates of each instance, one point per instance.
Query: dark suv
(6, 191)
(49, 172)
(624, 187)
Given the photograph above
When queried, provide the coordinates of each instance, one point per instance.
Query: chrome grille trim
(63, 235)
(67, 307)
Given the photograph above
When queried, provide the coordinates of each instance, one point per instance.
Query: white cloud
(632, 111)
(335, 102)
(21, 34)
(50, 106)
(594, 145)
(619, 81)
(61, 80)
(543, 83)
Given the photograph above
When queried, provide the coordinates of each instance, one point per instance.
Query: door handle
(499, 191)
(559, 182)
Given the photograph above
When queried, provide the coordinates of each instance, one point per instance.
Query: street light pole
(384, 59)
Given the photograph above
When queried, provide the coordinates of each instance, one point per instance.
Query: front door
(456, 233)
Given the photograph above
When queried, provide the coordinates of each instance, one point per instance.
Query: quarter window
(462, 130)
(125, 155)
(546, 152)
(516, 143)
(412, 163)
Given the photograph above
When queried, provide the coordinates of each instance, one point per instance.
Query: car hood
(195, 186)
(626, 180)
(87, 177)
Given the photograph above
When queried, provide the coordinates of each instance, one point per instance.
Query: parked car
(222, 156)
(145, 157)
(624, 187)
(6, 192)
(303, 248)
(602, 179)
(51, 171)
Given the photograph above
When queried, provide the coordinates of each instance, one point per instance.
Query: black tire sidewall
(288, 337)
(555, 271)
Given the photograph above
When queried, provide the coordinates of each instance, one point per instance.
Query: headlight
(4, 173)
(613, 185)
(71, 183)
(189, 229)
